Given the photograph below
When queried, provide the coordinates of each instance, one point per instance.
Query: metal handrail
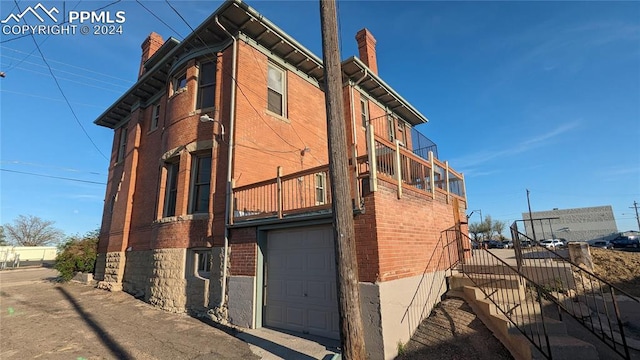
(583, 289)
(444, 253)
(524, 312)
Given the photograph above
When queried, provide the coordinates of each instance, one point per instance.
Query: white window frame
(402, 129)
(282, 92)
(320, 180)
(391, 128)
(364, 111)
(202, 86)
(155, 117)
(171, 177)
(192, 190)
(202, 259)
(177, 80)
(122, 144)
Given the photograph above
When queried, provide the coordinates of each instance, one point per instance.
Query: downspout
(232, 118)
(355, 137)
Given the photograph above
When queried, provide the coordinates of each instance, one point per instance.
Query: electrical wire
(61, 91)
(18, 162)
(73, 66)
(53, 177)
(235, 81)
(48, 98)
(73, 81)
(124, 87)
(159, 19)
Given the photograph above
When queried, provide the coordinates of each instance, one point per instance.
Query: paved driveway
(45, 320)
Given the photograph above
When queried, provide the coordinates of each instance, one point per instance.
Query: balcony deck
(309, 191)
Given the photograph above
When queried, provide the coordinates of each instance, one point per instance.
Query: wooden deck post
(398, 169)
(373, 164)
(433, 176)
(279, 191)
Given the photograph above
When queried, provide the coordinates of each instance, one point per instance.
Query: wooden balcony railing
(305, 191)
(309, 190)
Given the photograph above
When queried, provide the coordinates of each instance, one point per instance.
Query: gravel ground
(453, 332)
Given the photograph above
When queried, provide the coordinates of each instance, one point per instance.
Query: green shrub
(77, 254)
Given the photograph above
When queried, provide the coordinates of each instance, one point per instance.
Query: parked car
(551, 244)
(602, 244)
(626, 242)
(507, 244)
(492, 244)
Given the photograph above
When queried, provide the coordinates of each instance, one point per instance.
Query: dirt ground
(618, 267)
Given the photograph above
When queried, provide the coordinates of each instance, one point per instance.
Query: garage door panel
(319, 320)
(301, 281)
(295, 316)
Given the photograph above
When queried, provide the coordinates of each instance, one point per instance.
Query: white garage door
(301, 281)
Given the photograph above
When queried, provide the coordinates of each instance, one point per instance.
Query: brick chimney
(149, 47)
(367, 49)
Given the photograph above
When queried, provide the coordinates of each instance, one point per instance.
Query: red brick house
(218, 196)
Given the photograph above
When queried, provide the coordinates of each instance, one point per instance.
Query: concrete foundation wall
(241, 304)
(404, 303)
(137, 271)
(371, 320)
(101, 263)
(168, 286)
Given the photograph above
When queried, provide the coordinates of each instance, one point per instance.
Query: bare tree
(487, 227)
(3, 240)
(32, 231)
(475, 229)
(498, 227)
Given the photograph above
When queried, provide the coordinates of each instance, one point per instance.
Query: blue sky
(542, 96)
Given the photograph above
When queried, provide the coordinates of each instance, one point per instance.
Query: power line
(73, 66)
(53, 177)
(235, 81)
(66, 72)
(47, 98)
(73, 81)
(18, 162)
(159, 19)
(62, 92)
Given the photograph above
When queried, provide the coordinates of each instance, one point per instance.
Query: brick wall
(264, 140)
(244, 249)
(407, 231)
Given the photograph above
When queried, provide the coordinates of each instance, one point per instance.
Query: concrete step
(529, 320)
(500, 289)
(567, 348)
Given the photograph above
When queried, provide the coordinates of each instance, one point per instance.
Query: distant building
(581, 224)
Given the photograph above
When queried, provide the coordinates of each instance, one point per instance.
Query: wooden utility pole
(351, 331)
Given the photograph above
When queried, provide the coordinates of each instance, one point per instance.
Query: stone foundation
(168, 285)
(113, 271)
(137, 272)
(101, 263)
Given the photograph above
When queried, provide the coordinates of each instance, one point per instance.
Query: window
(155, 117)
(203, 263)
(402, 132)
(122, 146)
(275, 90)
(171, 189)
(206, 85)
(200, 179)
(391, 128)
(179, 82)
(364, 111)
(321, 186)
